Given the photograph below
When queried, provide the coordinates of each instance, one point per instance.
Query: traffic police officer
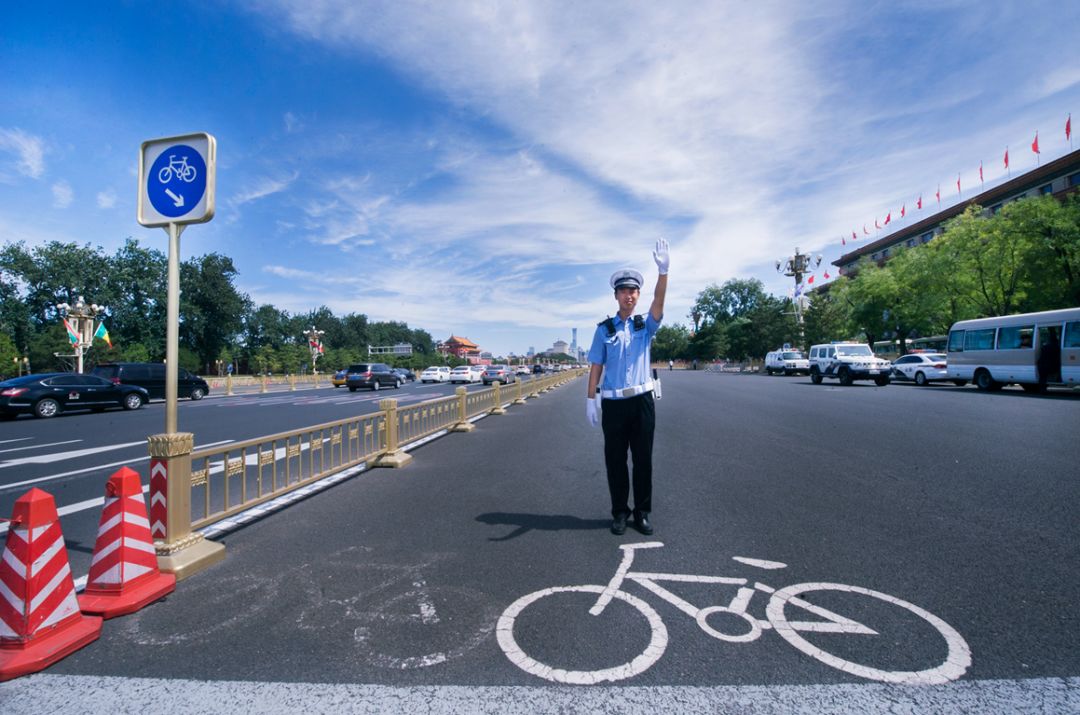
(620, 356)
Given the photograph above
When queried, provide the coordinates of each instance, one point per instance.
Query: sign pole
(172, 334)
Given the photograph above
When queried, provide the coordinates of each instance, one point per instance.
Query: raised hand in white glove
(661, 256)
(592, 415)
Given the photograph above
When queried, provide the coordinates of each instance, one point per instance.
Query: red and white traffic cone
(40, 621)
(124, 573)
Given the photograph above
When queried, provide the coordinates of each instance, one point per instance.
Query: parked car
(405, 373)
(789, 362)
(375, 375)
(151, 377)
(499, 373)
(465, 374)
(538, 369)
(922, 368)
(338, 380)
(522, 370)
(49, 394)
(436, 373)
(848, 362)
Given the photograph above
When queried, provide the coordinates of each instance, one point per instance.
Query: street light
(79, 322)
(795, 267)
(315, 345)
(22, 365)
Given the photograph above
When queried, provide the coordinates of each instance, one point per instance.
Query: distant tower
(573, 342)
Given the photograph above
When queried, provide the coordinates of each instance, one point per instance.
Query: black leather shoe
(642, 524)
(618, 525)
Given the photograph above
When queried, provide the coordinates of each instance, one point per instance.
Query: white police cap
(626, 278)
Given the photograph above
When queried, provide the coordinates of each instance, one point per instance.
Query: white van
(1033, 350)
(789, 362)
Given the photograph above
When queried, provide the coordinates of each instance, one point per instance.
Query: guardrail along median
(191, 490)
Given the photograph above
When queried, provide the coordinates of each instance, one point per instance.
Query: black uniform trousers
(628, 425)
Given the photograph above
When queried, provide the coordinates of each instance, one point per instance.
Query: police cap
(626, 278)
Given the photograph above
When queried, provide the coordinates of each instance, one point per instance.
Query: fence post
(264, 381)
(179, 551)
(535, 391)
(520, 400)
(498, 408)
(292, 382)
(394, 456)
(463, 424)
(228, 384)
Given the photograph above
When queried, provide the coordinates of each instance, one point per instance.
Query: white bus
(1033, 350)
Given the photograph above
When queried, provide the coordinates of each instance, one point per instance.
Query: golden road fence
(191, 490)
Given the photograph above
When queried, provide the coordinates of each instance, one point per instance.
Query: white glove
(592, 415)
(661, 256)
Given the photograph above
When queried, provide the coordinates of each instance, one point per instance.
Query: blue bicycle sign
(176, 183)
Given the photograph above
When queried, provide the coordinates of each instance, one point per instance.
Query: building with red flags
(1056, 178)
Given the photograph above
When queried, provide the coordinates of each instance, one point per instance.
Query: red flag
(826, 274)
(809, 280)
(888, 217)
(938, 194)
(854, 237)
(1068, 128)
(876, 224)
(903, 210)
(864, 230)
(1035, 144)
(980, 172)
(919, 205)
(843, 241)
(1006, 157)
(958, 183)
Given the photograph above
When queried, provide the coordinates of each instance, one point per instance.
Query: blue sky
(480, 168)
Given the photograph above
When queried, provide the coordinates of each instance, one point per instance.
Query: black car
(538, 369)
(49, 394)
(375, 375)
(151, 376)
(405, 373)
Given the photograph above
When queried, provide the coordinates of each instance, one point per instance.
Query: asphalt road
(941, 519)
(72, 456)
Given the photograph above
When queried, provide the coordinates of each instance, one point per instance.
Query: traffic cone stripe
(124, 574)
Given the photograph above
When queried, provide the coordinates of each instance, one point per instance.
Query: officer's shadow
(542, 522)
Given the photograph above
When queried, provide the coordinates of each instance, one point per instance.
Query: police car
(789, 362)
(848, 362)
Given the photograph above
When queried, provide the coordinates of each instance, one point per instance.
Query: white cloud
(62, 194)
(28, 149)
(262, 187)
(106, 199)
(292, 123)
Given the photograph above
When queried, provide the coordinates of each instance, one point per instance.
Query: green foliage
(671, 342)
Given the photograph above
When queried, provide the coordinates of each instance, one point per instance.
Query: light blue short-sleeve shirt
(625, 355)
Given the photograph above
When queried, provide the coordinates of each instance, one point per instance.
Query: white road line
(60, 456)
(17, 439)
(136, 460)
(39, 446)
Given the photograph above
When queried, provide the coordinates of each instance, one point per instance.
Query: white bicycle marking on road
(760, 563)
(955, 664)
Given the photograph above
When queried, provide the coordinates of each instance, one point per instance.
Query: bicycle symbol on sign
(183, 170)
(955, 664)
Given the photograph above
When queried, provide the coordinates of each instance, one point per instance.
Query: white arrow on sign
(178, 200)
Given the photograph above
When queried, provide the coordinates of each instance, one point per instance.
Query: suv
(375, 375)
(151, 377)
(789, 362)
(848, 362)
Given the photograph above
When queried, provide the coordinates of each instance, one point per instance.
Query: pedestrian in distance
(620, 392)
(670, 365)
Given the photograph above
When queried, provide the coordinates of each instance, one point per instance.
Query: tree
(211, 309)
(829, 315)
(671, 342)
(1048, 231)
